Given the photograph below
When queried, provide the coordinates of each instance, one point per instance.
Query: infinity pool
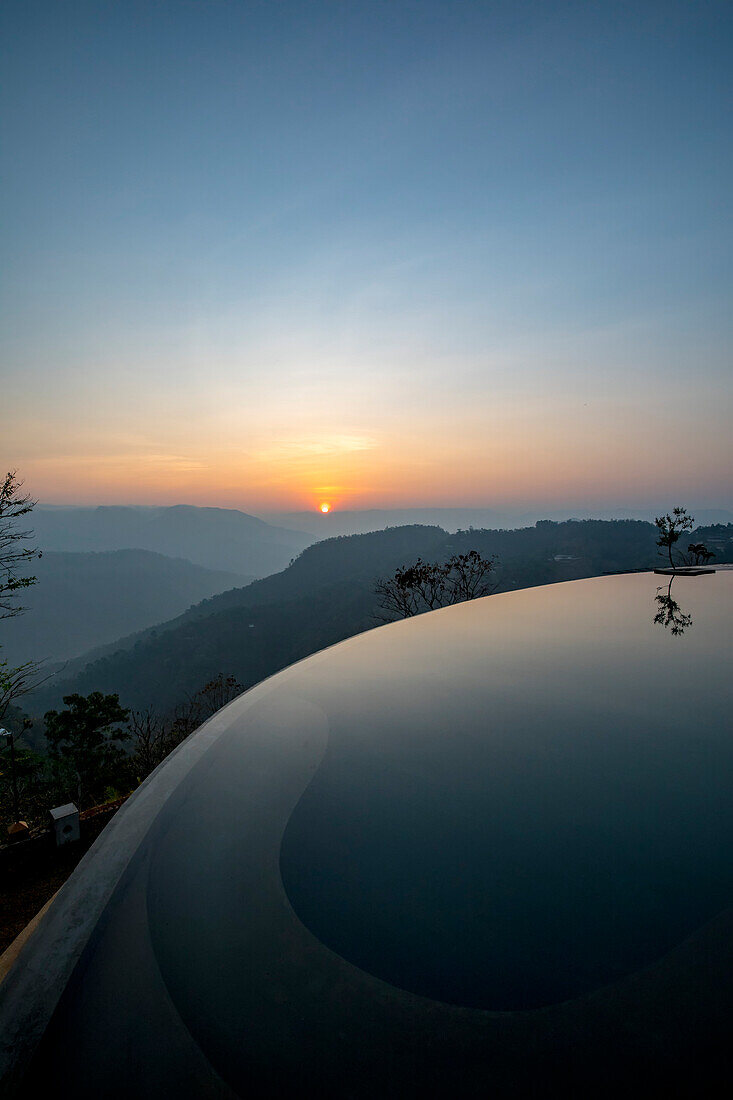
(531, 800)
(489, 849)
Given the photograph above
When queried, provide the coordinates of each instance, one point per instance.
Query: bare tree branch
(426, 586)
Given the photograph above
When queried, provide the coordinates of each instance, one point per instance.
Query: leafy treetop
(86, 738)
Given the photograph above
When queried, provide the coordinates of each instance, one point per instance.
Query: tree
(470, 576)
(671, 528)
(15, 682)
(85, 737)
(195, 709)
(217, 693)
(412, 590)
(24, 781)
(426, 586)
(154, 737)
(14, 556)
(698, 553)
(152, 740)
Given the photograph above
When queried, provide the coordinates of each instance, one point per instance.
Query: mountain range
(453, 519)
(216, 538)
(84, 600)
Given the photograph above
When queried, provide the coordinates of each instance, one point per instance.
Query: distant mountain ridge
(453, 519)
(83, 600)
(215, 538)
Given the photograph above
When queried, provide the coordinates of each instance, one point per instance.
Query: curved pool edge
(34, 984)
(649, 1013)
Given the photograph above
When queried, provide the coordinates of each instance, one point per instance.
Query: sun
(325, 508)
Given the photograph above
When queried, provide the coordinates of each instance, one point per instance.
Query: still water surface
(526, 797)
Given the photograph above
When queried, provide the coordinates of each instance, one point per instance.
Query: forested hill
(526, 557)
(327, 595)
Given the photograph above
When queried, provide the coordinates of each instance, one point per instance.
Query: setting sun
(325, 508)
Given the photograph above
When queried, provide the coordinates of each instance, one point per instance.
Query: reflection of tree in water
(668, 613)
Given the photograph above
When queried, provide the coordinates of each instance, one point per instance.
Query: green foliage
(34, 780)
(85, 740)
(86, 761)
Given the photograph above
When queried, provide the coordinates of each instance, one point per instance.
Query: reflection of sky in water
(525, 797)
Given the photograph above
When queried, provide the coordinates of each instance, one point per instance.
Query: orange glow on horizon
(533, 461)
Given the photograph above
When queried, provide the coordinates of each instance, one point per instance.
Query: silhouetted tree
(15, 682)
(671, 527)
(699, 553)
(470, 576)
(426, 586)
(413, 589)
(196, 708)
(154, 737)
(14, 556)
(218, 692)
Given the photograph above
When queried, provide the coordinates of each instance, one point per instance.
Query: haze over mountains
(235, 541)
(84, 600)
(454, 519)
(216, 538)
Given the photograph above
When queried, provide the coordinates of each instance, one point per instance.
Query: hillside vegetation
(327, 594)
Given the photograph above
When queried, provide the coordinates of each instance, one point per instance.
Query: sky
(376, 254)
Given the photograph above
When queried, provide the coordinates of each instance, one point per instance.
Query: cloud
(291, 450)
(153, 462)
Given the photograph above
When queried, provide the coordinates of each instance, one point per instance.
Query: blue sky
(389, 253)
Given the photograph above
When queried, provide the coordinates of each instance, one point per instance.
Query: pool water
(528, 797)
(365, 876)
